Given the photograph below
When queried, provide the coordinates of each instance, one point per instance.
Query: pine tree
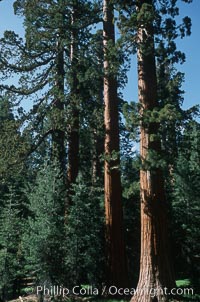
(185, 209)
(85, 256)
(44, 239)
(10, 241)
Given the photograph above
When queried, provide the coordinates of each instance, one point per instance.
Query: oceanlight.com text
(111, 291)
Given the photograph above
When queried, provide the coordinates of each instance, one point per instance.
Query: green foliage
(38, 235)
(186, 200)
(185, 282)
(10, 243)
(132, 119)
(44, 239)
(131, 206)
(10, 140)
(85, 236)
(43, 67)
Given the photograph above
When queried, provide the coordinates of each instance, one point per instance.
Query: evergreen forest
(99, 196)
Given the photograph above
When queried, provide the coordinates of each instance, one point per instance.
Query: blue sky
(189, 45)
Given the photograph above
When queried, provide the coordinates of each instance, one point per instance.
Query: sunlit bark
(117, 274)
(156, 273)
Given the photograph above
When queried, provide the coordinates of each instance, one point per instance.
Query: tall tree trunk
(73, 147)
(156, 273)
(117, 272)
(73, 138)
(58, 134)
(98, 139)
(98, 150)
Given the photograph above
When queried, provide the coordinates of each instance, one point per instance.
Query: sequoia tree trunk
(156, 273)
(98, 140)
(58, 134)
(73, 137)
(116, 265)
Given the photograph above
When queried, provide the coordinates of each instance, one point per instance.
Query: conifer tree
(84, 255)
(144, 24)
(91, 112)
(36, 60)
(10, 241)
(73, 143)
(44, 238)
(155, 265)
(117, 271)
(12, 143)
(48, 64)
(185, 210)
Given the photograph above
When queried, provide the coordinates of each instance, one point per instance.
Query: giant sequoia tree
(156, 271)
(48, 66)
(39, 63)
(117, 273)
(147, 24)
(73, 137)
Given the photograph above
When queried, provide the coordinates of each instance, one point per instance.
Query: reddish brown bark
(97, 171)
(117, 273)
(156, 273)
(73, 137)
(98, 139)
(73, 148)
(58, 133)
